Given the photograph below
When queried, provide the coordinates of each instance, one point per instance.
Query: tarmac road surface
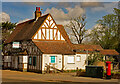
(17, 77)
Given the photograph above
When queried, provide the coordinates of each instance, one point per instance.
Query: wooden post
(32, 62)
(62, 62)
(39, 63)
(28, 64)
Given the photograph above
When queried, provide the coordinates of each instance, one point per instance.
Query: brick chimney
(37, 13)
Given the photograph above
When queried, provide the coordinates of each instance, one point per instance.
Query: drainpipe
(87, 56)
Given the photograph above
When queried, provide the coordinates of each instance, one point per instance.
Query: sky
(62, 12)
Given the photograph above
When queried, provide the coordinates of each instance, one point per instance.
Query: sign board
(52, 59)
(16, 45)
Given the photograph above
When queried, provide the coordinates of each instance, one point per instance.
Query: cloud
(5, 17)
(64, 4)
(56, 13)
(106, 7)
(68, 4)
(76, 11)
(91, 4)
(21, 21)
(38, 3)
(63, 22)
(60, 16)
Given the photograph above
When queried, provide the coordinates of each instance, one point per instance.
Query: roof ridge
(49, 41)
(85, 44)
(31, 19)
(25, 21)
(109, 49)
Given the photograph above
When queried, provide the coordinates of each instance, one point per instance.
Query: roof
(109, 52)
(64, 34)
(25, 30)
(54, 47)
(86, 47)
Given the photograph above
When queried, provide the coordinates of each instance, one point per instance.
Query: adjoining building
(40, 42)
(110, 54)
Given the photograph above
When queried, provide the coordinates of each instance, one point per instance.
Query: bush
(81, 70)
(70, 70)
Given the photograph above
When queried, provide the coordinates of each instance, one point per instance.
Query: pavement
(17, 77)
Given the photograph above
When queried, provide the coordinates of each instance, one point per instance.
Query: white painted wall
(72, 66)
(67, 66)
(46, 59)
(25, 60)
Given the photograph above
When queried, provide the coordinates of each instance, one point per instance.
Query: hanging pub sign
(16, 45)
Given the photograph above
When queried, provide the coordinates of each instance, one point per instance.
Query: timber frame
(27, 48)
(48, 31)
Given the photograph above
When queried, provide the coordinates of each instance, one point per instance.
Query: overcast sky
(61, 11)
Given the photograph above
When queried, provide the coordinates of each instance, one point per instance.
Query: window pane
(52, 59)
(30, 60)
(71, 59)
(78, 58)
(34, 61)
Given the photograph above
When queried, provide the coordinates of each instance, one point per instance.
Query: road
(17, 77)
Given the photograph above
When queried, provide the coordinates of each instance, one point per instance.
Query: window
(30, 60)
(25, 59)
(71, 59)
(16, 44)
(52, 59)
(34, 61)
(78, 58)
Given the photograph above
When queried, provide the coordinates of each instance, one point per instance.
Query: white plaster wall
(46, 60)
(71, 66)
(25, 60)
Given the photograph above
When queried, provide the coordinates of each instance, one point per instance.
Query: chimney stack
(37, 13)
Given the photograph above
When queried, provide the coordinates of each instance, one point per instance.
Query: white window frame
(78, 56)
(71, 60)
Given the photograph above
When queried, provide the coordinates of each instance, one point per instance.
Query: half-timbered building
(40, 42)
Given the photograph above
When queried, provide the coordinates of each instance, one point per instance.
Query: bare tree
(77, 25)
